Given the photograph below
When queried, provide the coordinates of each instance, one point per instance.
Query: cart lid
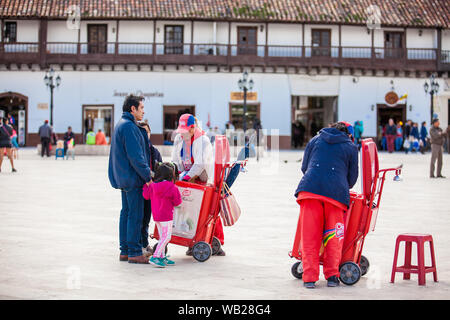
(222, 151)
(369, 165)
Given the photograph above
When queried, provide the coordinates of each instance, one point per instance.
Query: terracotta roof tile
(425, 13)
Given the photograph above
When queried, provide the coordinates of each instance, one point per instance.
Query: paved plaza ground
(59, 236)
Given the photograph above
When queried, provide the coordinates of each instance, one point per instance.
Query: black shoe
(440, 176)
(14, 170)
(189, 252)
(432, 177)
(333, 281)
(220, 253)
(309, 285)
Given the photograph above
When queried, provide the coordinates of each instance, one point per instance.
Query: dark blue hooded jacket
(330, 166)
(129, 158)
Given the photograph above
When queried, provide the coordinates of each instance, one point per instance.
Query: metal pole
(51, 104)
(245, 110)
(431, 105)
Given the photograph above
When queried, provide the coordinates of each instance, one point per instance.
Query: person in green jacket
(90, 137)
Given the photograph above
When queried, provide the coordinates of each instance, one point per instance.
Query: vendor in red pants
(330, 168)
(193, 155)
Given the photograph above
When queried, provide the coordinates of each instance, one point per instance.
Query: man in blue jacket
(330, 168)
(129, 170)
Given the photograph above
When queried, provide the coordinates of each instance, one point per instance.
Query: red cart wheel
(297, 270)
(201, 251)
(216, 245)
(364, 265)
(350, 273)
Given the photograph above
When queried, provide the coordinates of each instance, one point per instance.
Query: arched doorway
(16, 105)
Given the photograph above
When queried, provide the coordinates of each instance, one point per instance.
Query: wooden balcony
(113, 53)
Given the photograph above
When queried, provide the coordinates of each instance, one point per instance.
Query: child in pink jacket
(164, 196)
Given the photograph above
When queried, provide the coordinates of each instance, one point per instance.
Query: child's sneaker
(157, 262)
(168, 262)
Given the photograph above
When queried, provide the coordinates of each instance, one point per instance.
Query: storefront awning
(303, 85)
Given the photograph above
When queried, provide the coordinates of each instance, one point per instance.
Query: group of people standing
(411, 138)
(396, 136)
(147, 184)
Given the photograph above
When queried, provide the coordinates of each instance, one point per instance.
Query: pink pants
(165, 234)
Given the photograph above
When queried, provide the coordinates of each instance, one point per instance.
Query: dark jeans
(146, 222)
(130, 223)
(45, 146)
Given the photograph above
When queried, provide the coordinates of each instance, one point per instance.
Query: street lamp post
(433, 89)
(245, 84)
(51, 82)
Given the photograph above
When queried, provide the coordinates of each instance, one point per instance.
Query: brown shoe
(123, 257)
(139, 259)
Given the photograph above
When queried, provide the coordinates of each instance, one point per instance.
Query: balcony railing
(223, 54)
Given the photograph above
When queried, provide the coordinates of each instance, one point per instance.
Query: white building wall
(27, 31)
(356, 99)
(355, 37)
(446, 39)
(285, 34)
(135, 31)
(57, 31)
(209, 93)
(428, 39)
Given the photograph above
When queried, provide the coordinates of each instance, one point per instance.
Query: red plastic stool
(420, 269)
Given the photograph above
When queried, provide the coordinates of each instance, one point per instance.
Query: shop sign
(391, 98)
(140, 93)
(252, 96)
(42, 106)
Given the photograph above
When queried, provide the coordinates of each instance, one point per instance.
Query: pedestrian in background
(6, 132)
(437, 141)
(391, 133)
(45, 133)
(100, 138)
(399, 138)
(414, 137)
(359, 129)
(67, 136)
(423, 136)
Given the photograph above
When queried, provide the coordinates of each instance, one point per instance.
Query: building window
(173, 39)
(247, 40)
(97, 38)
(393, 44)
(321, 42)
(237, 115)
(98, 117)
(10, 32)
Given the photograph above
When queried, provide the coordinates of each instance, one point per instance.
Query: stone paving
(59, 236)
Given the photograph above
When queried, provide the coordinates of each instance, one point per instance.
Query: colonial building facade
(315, 62)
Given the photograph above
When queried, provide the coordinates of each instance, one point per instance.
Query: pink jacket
(164, 196)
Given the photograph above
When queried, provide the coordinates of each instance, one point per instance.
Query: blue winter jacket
(129, 158)
(330, 166)
(423, 133)
(415, 132)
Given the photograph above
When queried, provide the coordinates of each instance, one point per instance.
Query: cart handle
(378, 184)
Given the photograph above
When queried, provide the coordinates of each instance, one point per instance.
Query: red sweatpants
(321, 223)
(218, 231)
